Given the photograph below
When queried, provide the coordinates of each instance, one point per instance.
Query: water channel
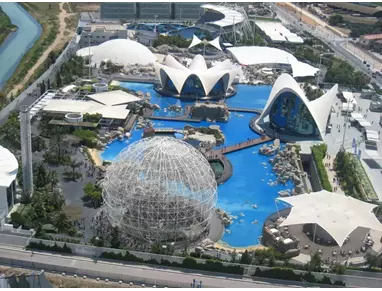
(18, 43)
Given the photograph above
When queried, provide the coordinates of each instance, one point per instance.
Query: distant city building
(120, 10)
(8, 172)
(99, 33)
(151, 10)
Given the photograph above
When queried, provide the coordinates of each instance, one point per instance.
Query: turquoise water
(18, 43)
(252, 172)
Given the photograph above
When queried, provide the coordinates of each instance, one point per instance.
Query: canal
(18, 43)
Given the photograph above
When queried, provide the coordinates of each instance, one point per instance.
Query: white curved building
(197, 80)
(271, 57)
(229, 16)
(8, 173)
(121, 51)
(288, 111)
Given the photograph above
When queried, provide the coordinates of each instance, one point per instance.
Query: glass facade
(118, 10)
(151, 10)
(193, 87)
(289, 115)
(187, 10)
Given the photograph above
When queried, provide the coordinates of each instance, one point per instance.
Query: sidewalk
(328, 162)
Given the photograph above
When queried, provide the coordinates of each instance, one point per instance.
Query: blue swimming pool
(252, 174)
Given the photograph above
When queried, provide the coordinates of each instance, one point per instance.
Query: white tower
(26, 150)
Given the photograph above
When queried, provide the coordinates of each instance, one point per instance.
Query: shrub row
(55, 248)
(319, 153)
(289, 274)
(188, 262)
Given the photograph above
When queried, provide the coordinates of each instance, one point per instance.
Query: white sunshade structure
(277, 32)
(319, 108)
(196, 40)
(259, 55)
(179, 75)
(338, 215)
(119, 51)
(111, 104)
(359, 118)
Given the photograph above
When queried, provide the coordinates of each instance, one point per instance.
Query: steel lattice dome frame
(160, 189)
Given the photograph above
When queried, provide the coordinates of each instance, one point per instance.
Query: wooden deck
(250, 110)
(242, 145)
(219, 155)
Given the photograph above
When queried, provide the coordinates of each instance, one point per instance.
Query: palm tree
(53, 177)
(61, 222)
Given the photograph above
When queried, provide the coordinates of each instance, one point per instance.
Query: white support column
(277, 208)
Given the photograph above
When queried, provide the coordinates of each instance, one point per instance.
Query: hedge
(55, 248)
(319, 153)
(289, 274)
(188, 262)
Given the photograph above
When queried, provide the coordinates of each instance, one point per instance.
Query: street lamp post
(89, 58)
(319, 72)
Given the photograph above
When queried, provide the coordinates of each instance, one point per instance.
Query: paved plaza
(335, 138)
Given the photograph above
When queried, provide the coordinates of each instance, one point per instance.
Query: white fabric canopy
(215, 42)
(372, 135)
(339, 215)
(195, 41)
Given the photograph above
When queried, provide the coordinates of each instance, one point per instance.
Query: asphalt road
(127, 273)
(332, 40)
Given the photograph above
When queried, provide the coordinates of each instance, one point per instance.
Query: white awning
(215, 42)
(195, 41)
(373, 154)
(339, 215)
(372, 135)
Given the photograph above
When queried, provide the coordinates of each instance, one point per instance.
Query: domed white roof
(8, 167)
(121, 51)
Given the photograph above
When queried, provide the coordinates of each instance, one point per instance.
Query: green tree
(73, 175)
(61, 222)
(246, 258)
(336, 19)
(94, 194)
(10, 133)
(372, 261)
(315, 263)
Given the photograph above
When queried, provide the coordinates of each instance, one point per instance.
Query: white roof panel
(254, 55)
(339, 215)
(112, 98)
(231, 16)
(276, 31)
(8, 167)
(90, 107)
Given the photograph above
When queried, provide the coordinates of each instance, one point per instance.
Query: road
(335, 42)
(148, 275)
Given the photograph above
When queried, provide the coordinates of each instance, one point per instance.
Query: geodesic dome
(160, 189)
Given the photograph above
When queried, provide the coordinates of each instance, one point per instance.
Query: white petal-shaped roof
(198, 64)
(121, 51)
(8, 167)
(338, 214)
(198, 67)
(319, 108)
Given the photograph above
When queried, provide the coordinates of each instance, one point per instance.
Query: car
(364, 62)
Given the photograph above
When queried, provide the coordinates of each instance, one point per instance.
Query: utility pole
(89, 35)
